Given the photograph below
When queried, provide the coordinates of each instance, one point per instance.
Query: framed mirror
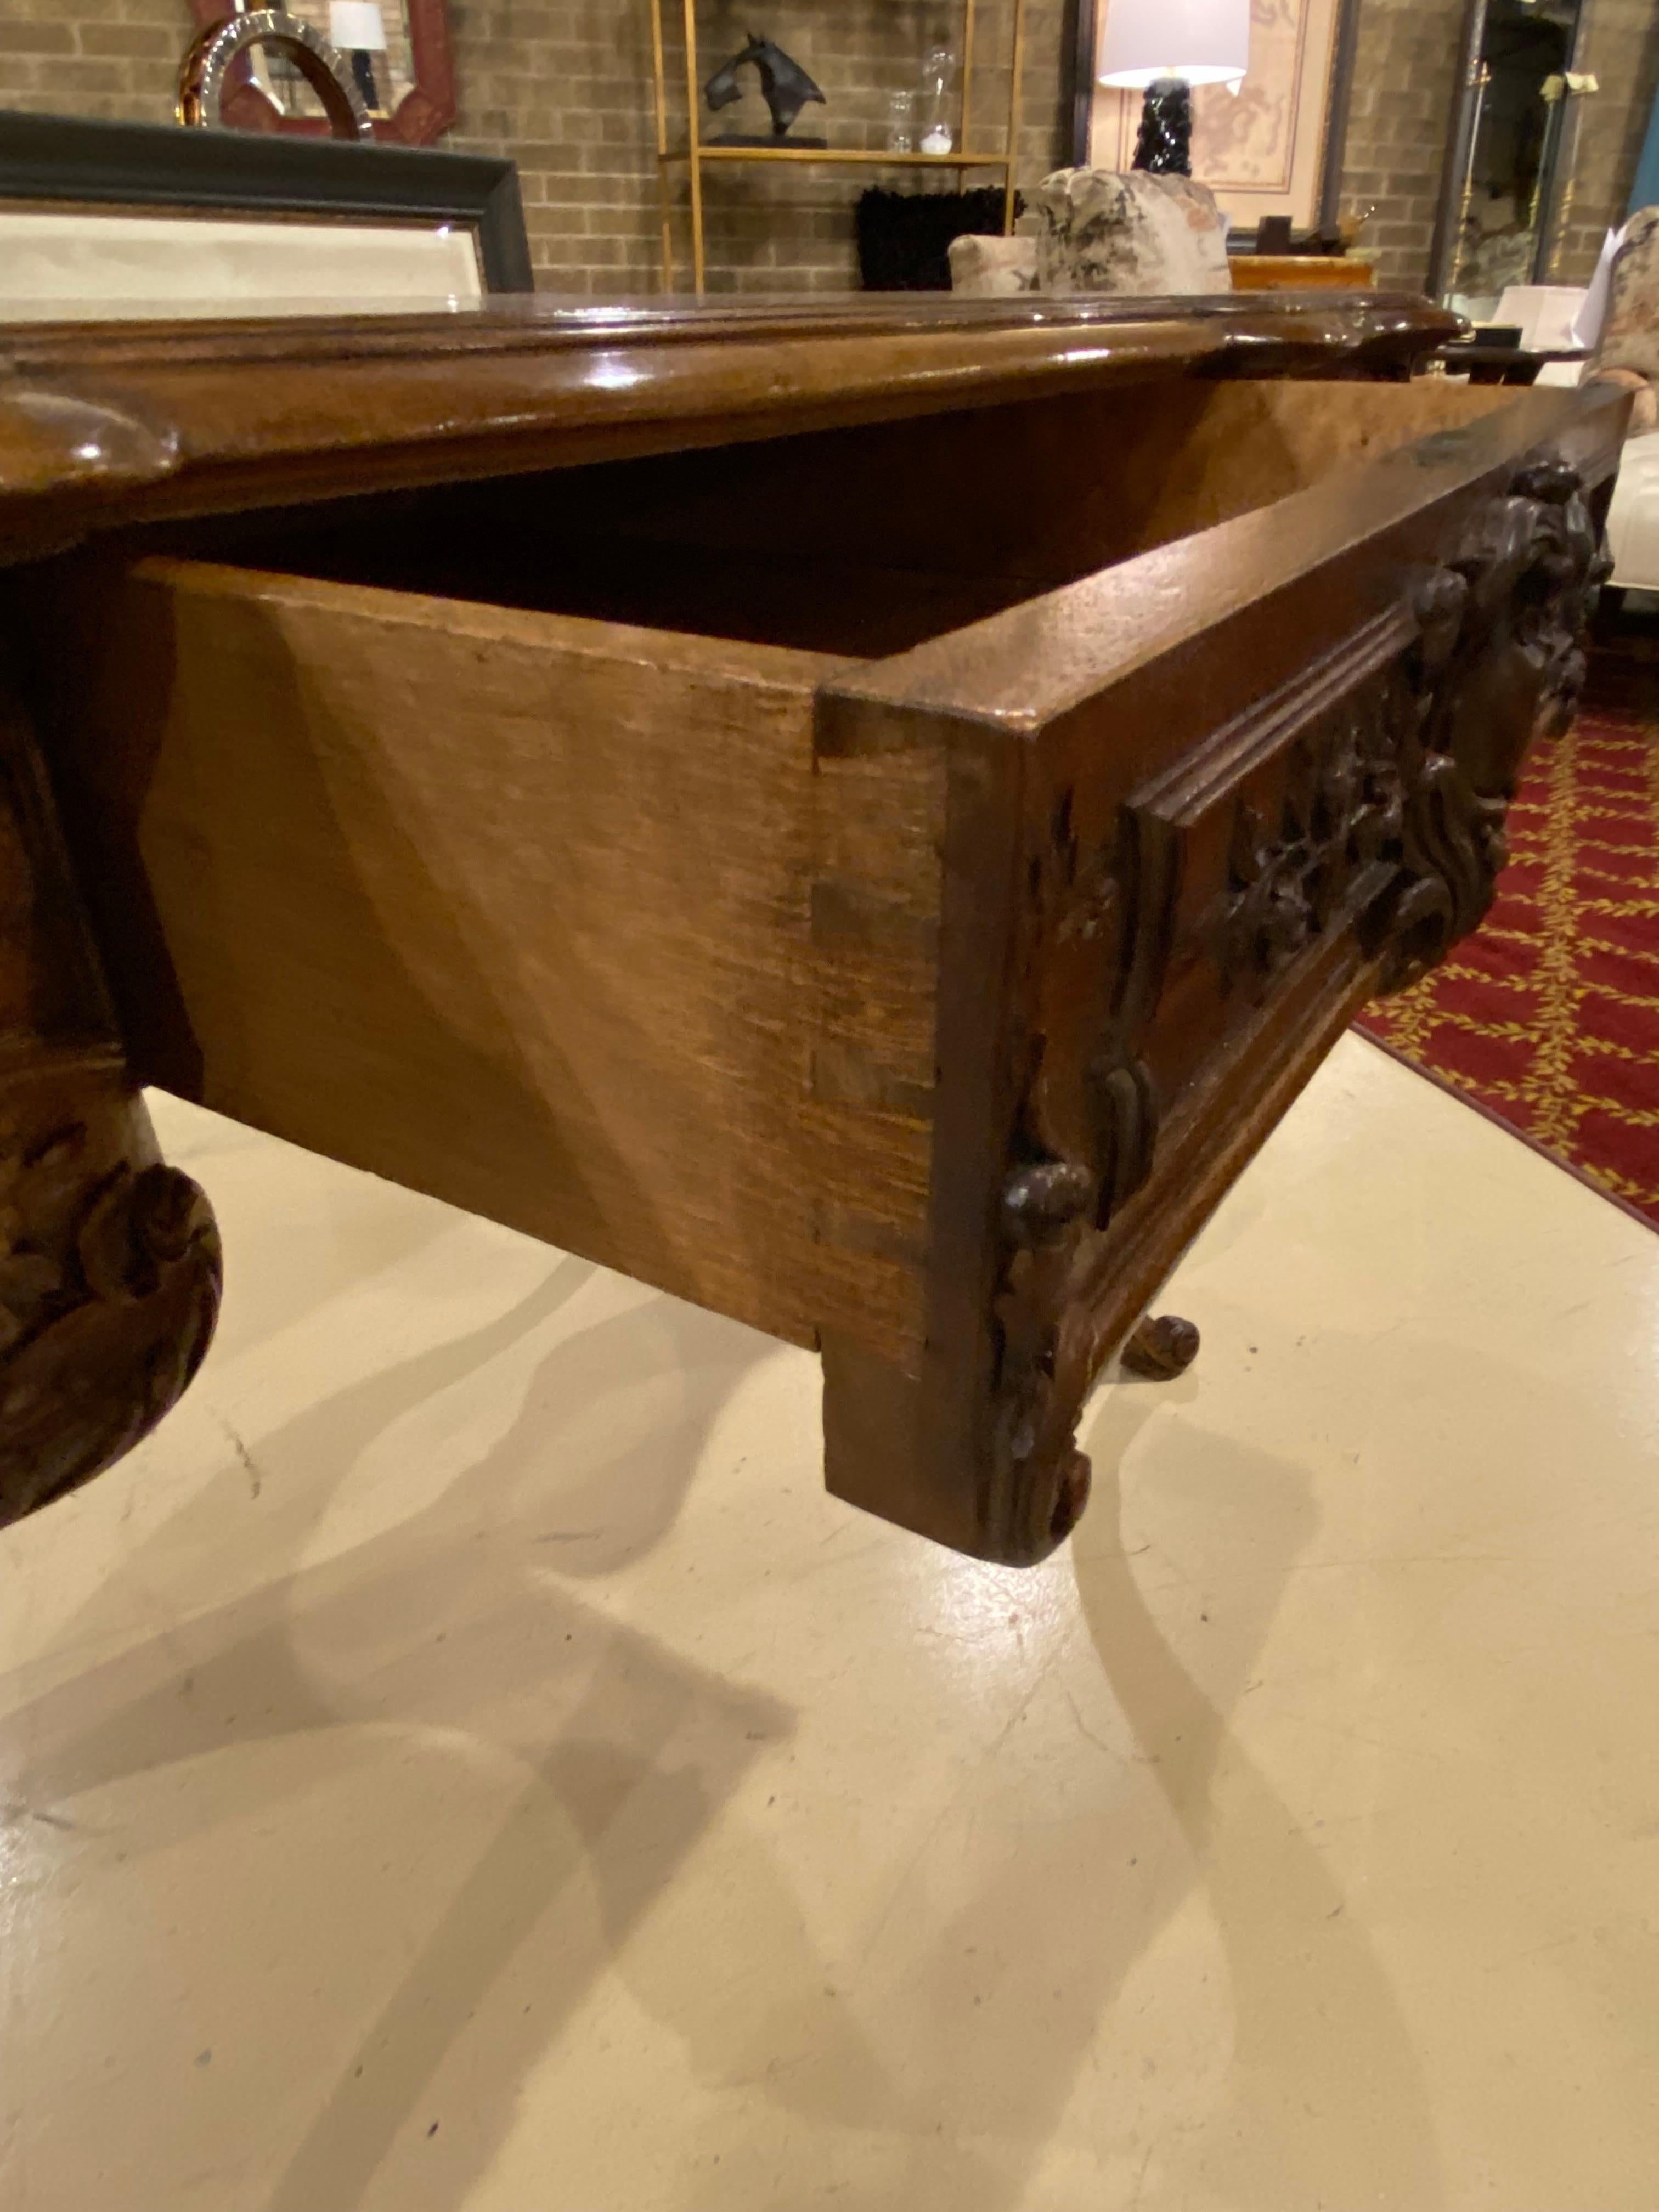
(1506, 188)
(398, 50)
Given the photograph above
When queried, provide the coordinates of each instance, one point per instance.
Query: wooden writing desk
(862, 816)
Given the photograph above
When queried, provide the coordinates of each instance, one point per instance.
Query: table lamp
(356, 29)
(1163, 48)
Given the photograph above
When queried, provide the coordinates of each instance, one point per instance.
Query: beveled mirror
(398, 52)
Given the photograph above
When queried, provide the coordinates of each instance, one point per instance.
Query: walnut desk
(863, 816)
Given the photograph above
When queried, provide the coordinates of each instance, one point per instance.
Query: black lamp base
(1165, 144)
(362, 76)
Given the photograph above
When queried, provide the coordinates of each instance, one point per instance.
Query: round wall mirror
(396, 50)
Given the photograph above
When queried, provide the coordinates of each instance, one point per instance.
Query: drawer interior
(859, 542)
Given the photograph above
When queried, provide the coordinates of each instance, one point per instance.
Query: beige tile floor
(464, 1761)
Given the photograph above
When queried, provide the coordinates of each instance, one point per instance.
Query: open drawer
(881, 884)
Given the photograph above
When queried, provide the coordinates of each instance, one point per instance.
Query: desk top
(106, 423)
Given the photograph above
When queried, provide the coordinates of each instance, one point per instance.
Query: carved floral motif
(1342, 815)
(1416, 770)
(1498, 660)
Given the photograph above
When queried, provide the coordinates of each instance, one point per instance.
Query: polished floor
(464, 1764)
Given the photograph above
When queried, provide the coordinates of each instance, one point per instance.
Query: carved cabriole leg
(1163, 1346)
(109, 1259)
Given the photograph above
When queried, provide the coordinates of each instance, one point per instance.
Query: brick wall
(567, 85)
(115, 59)
(564, 86)
(1404, 60)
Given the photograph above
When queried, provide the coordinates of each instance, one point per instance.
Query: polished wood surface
(1300, 272)
(107, 422)
(555, 872)
(864, 820)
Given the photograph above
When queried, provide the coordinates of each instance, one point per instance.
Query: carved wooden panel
(1360, 805)
(1199, 807)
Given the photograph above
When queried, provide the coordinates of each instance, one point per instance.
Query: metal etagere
(695, 154)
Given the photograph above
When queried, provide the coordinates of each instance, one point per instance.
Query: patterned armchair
(1628, 350)
(1628, 354)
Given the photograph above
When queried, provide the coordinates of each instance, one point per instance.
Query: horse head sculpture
(785, 85)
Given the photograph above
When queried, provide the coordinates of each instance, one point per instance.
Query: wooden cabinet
(865, 823)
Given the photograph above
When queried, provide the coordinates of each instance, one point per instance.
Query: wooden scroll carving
(1365, 805)
(109, 1259)
(1499, 659)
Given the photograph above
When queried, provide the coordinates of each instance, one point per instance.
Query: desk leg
(109, 1259)
(1163, 1346)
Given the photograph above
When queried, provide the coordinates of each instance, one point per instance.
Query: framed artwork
(121, 219)
(1273, 147)
(399, 51)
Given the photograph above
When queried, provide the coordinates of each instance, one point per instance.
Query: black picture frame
(158, 167)
(1338, 107)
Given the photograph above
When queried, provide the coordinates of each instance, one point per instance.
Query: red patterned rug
(1548, 1016)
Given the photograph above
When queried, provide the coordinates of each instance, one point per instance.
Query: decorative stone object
(1103, 231)
(994, 268)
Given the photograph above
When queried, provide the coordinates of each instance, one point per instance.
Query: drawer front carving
(1357, 813)
(1199, 808)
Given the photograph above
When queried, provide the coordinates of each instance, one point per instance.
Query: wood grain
(512, 909)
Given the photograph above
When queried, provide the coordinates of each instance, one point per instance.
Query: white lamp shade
(357, 26)
(1206, 41)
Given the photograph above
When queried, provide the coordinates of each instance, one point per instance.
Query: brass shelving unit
(695, 154)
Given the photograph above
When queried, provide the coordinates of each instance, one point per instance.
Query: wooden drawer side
(520, 910)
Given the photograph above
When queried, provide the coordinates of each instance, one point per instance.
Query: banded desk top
(125, 420)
